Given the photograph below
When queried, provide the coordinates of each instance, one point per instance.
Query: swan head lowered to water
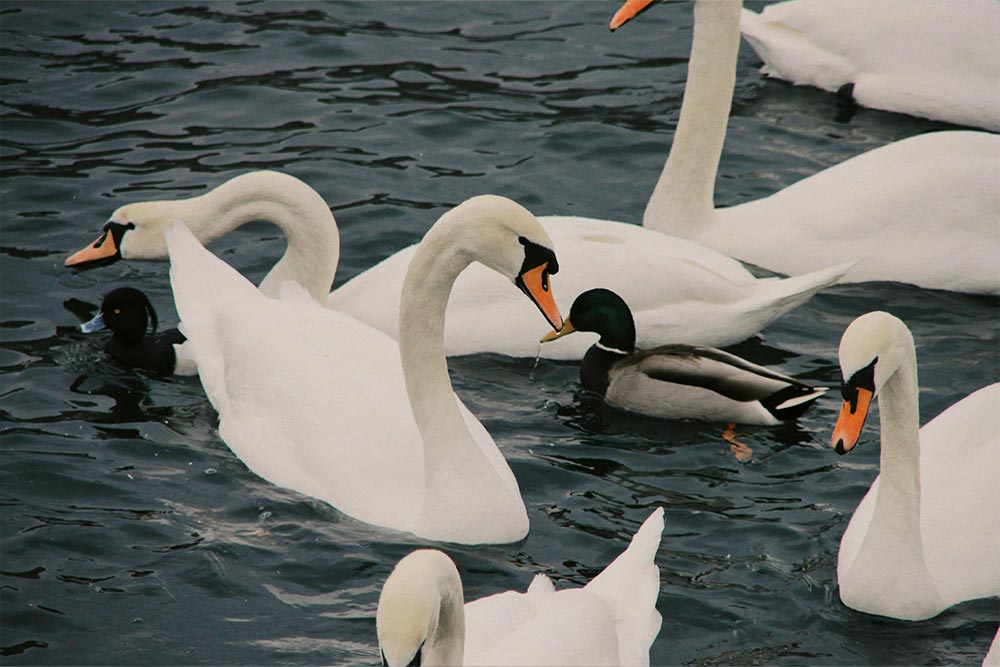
(873, 348)
(420, 617)
(135, 231)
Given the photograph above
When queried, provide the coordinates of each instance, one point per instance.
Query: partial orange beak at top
(850, 421)
(535, 283)
(628, 12)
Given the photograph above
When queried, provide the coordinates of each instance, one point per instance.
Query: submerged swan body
(679, 291)
(925, 535)
(315, 401)
(610, 621)
(920, 57)
(921, 210)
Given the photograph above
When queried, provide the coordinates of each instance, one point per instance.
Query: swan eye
(863, 379)
(118, 311)
(536, 255)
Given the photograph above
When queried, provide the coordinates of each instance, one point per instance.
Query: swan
(679, 291)
(128, 314)
(676, 381)
(136, 231)
(925, 535)
(610, 621)
(313, 400)
(930, 58)
(922, 210)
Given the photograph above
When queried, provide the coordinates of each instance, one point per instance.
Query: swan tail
(788, 53)
(792, 401)
(778, 296)
(630, 585)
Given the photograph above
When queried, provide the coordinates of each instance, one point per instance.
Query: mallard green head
(604, 313)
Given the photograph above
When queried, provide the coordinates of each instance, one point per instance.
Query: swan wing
(610, 621)
(308, 398)
(960, 496)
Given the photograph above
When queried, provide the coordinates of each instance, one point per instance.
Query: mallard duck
(676, 381)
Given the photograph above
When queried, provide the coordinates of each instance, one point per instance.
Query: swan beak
(535, 283)
(628, 12)
(567, 328)
(104, 248)
(849, 423)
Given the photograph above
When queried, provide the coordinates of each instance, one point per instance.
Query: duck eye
(118, 311)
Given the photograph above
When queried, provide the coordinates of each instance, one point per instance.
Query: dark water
(131, 534)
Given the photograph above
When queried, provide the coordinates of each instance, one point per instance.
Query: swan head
(134, 231)
(872, 348)
(421, 618)
(507, 238)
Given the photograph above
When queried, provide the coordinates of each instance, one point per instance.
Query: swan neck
(447, 645)
(433, 270)
(302, 215)
(899, 458)
(684, 194)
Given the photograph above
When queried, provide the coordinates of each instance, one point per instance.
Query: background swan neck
(684, 194)
(313, 239)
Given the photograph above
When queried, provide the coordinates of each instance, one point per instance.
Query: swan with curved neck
(612, 620)
(679, 291)
(925, 535)
(921, 210)
(135, 231)
(315, 401)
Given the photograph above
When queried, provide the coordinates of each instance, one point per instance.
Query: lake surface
(132, 535)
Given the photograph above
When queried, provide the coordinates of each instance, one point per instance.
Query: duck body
(130, 316)
(610, 621)
(928, 58)
(315, 401)
(924, 537)
(679, 291)
(677, 381)
(921, 210)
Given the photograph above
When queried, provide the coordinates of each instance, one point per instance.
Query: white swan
(136, 231)
(313, 400)
(927, 533)
(679, 291)
(931, 58)
(610, 621)
(922, 210)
